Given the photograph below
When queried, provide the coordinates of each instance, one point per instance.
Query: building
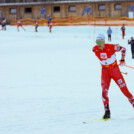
(21, 9)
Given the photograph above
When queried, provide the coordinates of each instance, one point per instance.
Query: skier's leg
(50, 28)
(118, 78)
(22, 27)
(105, 83)
(18, 27)
(36, 28)
(123, 34)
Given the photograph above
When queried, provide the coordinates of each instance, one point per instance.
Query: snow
(50, 82)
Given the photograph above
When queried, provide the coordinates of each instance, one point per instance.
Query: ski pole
(124, 73)
(129, 66)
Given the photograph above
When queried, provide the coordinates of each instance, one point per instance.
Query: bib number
(103, 56)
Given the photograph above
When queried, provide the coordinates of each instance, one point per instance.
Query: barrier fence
(70, 21)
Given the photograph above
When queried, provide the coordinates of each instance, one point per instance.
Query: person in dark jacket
(3, 24)
(49, 20)
(36, 26)
(131, 42)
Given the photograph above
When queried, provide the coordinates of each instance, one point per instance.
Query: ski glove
(122, 62)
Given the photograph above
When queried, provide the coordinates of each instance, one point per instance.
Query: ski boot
(106, 115)
(132, 102)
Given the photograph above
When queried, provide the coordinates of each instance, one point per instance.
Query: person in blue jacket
(109, 32)
(49, 20)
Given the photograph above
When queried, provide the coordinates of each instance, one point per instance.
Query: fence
(68, 21)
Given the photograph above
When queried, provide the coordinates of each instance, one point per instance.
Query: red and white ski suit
(50, 26)
(110, 70)
(123, 32)
(19, 24)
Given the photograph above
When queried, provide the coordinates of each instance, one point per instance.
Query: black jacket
(131, 43)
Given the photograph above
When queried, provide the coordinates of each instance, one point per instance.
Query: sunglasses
(99, 41)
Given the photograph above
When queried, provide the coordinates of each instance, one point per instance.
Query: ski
(85, 122)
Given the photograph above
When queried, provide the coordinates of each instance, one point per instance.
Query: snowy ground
(50, 83)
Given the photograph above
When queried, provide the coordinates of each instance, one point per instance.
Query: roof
(50, 2)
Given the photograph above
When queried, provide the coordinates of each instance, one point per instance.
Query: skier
(123, 31)
(50, 26)
(132, 46)
(49, 20)
(3, 24)
(36, 26)
(19, 25)
(110, 70)
(109, 32)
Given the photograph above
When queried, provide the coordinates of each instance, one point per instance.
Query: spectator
(36, 26)
(109, 32)
(49, 20)
(123, 31)
(3, 24)
(131, 42)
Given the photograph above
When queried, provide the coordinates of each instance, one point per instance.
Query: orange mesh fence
(28, 21)
(68, 21)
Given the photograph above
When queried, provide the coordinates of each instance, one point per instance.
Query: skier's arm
(123, 58)
(121, 49)
(93, 49)
(129, 42)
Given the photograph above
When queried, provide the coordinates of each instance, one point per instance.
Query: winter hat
(100, 37)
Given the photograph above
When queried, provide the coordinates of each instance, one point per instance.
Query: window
(102, 7)
(13, 11)
(57, 9)
(72, 8)
(28, 10)
(117, 6)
